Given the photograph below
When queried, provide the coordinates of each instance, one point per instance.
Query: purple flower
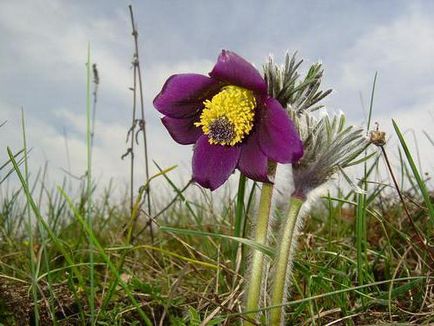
(230, 119)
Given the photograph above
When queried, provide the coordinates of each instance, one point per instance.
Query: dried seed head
(378, 137)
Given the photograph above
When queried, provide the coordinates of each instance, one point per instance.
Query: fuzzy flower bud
(330, 146)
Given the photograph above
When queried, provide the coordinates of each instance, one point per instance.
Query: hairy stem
(282, 259)
(257, 264)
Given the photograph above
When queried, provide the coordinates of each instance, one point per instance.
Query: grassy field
(343, 275)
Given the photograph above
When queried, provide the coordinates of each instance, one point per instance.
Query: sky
(44, 49)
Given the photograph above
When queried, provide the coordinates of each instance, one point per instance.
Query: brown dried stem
(137, 87)
(421, 239)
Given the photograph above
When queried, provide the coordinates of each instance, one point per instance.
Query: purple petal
(213, 164)
(278, 138)
(233, 69)
(183, 131)
(183, 95)
(253, 163)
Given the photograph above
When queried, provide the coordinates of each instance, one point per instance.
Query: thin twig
(142, 122)
(132, 129)
(153, 219)
(422, 240)
(68, 157)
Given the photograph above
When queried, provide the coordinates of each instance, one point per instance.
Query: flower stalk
(330, 147)
(283, 263)
(257, 264)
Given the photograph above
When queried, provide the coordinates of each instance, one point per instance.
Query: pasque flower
(231, 119)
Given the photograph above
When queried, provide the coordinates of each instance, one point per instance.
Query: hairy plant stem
(282, 259)
(257, 264)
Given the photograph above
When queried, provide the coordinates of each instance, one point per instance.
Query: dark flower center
(221, 130)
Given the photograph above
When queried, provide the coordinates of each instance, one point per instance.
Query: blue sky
(43, 52)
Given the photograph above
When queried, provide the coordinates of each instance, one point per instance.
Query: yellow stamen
(228, 117)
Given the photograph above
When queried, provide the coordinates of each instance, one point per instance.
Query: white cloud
(401, 51)
(42, 52)
(49, 145)
(46, 42)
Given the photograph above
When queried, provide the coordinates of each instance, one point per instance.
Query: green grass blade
(240, 209)
(371, 102)
(264, 249)
(179, 193)
(361, 223)
(101, 251)
(422, 186)
(57, 243)
(33, 268)
(240, 216)
(89, 188)
(134, 215)
(8, 173)
(328, 294)
(428, 137)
